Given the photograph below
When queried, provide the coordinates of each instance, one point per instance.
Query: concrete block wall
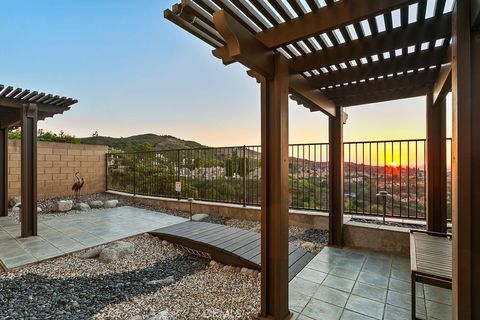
(56, 165)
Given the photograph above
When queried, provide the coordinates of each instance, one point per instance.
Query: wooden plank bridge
(228, 245)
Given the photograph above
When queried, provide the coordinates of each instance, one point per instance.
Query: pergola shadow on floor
(23, 108)
(333, 54)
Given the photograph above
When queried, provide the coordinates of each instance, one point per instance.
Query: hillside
(159, 142)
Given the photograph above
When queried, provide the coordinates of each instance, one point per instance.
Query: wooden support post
(3, 172)
(274, 219)
(436, 165)
(465, 164)
(29, 170)
(335, 233)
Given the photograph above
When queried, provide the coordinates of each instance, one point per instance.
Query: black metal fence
(233, 175)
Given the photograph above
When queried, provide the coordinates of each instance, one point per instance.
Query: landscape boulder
(63, 206)
(308, 246)
(96, 204)
(115, 251)
(110, 203)
(81, 206)
(92, 253)
(14, 201)
(199, 216)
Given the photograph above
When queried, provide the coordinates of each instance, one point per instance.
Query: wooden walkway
(228, 245)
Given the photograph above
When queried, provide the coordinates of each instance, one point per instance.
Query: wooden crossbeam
(336, 15)
(424, 59)
(393, 83)
(242, 46)
(431, 30)
(443, 85)
(381, 96)
(12, 103)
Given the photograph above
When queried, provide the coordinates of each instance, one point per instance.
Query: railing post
(178, 171)
(106, 171)
(244, 176)
(134, 174)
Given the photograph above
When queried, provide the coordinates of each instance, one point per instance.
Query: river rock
(115, 251)
(63, 206)
(81, 206)
(96, 204)
(199, 216)
(110, 203)
(166, 281)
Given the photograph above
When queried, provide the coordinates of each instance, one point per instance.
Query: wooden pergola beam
(381, 96)
(242, 46)
(430, 30)
(410, 80)
(443, 85)
(325, 19)
(424, 59)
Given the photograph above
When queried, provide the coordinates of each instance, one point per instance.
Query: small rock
(92, 253)
(165, 243)
(115, 251)
(213, 263)
(244, 271)
(81, 206)
(110, 203)
(39, 209)
(308, 246)
(163, 315)
(96, 204)
(14, 201)
(167, 280)
(199, 216)
(63, 205)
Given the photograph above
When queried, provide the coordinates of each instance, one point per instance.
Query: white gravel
(70, 287)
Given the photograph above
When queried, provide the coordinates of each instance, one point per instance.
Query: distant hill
(159, 142)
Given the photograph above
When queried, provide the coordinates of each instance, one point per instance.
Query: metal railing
(233, 175)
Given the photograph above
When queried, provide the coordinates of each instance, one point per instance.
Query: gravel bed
(73, 288)
(390, 223)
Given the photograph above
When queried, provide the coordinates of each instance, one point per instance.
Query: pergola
(23, 108)
(332, 54)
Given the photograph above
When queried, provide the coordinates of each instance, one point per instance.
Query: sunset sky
(134, 72)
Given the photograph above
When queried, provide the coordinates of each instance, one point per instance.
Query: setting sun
(393, 164)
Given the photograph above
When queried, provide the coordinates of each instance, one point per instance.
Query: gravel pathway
(73, 288)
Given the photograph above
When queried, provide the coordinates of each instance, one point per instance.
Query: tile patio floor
(59, 235)
(353, 284)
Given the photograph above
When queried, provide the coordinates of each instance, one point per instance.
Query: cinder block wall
(57, 164)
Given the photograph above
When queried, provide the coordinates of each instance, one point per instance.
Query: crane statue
(77, 186)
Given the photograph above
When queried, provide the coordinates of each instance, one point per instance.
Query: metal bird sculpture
(77, 186)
